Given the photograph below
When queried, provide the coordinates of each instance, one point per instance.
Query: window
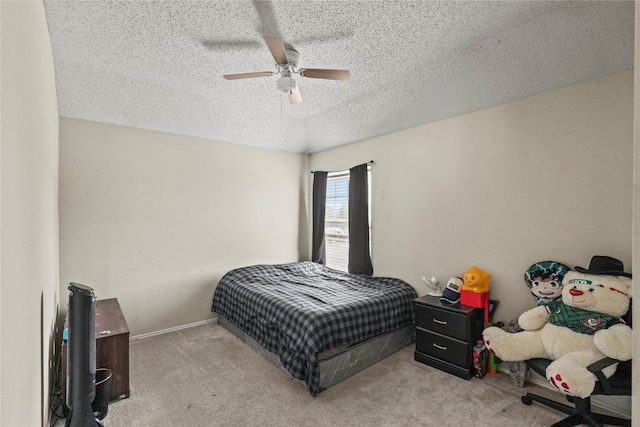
(336, 222)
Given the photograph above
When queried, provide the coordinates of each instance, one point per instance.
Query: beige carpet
(204, 376)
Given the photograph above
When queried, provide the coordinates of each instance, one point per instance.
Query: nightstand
(112, 347)
(445, 335)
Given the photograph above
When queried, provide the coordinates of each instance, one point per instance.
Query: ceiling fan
(287, 66)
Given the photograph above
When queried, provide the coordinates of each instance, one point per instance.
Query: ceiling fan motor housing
(292, 57)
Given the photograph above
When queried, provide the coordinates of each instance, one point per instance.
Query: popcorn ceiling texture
(159, 65)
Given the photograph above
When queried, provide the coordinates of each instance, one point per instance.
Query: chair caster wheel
(526, 400)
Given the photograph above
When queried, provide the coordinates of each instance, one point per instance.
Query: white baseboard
(599, 403)
(175, 328)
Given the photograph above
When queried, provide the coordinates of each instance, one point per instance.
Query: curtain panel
(359, 255)
(318, 251)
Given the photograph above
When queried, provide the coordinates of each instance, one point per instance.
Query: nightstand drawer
(443, 322)
(443, 347)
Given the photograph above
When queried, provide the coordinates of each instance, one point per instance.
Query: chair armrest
(597, 367)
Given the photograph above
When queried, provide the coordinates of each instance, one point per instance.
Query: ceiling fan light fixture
(286, 84)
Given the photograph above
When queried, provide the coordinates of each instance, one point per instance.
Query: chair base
(580, 414)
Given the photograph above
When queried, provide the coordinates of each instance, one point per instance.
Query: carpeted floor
(204, 376)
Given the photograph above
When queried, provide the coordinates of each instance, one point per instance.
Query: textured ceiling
(159, 65)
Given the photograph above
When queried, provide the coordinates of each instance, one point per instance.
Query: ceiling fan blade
(247, 75)
(277, 49)
(320, 73)
(267, 16)
(230, 44)
(295, 97)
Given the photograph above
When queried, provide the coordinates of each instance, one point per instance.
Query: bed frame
(339, 364)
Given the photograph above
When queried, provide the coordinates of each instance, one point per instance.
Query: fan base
(434, 294)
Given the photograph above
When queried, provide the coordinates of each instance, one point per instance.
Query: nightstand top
(109, 318)
(435, 301)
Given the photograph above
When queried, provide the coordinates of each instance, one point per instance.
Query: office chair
(619, 384)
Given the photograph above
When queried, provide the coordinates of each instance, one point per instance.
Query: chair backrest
(620, 382)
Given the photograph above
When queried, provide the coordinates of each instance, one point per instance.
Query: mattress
(302, 311)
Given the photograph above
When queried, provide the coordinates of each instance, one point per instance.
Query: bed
(317, 324)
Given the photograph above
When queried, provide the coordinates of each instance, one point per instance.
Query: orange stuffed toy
(476, 280)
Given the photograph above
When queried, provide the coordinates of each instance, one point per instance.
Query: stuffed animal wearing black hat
(582, 328)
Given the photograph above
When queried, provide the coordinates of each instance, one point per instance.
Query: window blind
(336, 226)
(337, 219)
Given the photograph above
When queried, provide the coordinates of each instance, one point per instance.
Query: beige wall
(636, 218)
(156, 219)
(546, 177)
(28, 215)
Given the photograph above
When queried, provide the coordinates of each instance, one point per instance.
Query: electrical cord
(56, 405)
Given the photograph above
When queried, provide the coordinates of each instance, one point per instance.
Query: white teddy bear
(585, 326)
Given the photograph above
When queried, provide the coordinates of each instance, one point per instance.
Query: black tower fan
(81, 357)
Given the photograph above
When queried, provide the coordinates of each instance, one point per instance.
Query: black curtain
(359, 257)
(318, 252)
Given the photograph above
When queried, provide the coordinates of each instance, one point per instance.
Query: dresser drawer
(443, 322)
(442, 347)
(464, 373)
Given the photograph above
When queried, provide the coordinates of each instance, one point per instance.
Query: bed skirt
(339, 364)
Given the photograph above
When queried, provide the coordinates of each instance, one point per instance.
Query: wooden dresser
(112, 347)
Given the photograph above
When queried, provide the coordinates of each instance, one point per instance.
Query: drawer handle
(439, 347)
(442, 322)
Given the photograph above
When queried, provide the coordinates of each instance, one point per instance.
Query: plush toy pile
(581, 328)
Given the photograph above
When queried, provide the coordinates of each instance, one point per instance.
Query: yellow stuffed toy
(476, 280)
(585, 326)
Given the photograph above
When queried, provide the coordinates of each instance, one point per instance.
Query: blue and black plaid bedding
(301, 309)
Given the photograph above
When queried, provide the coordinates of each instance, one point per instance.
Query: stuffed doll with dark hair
(544, 279)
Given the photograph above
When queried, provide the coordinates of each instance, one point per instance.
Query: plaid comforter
(301, 309)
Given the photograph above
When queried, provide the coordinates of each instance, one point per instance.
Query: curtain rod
(369, 162)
